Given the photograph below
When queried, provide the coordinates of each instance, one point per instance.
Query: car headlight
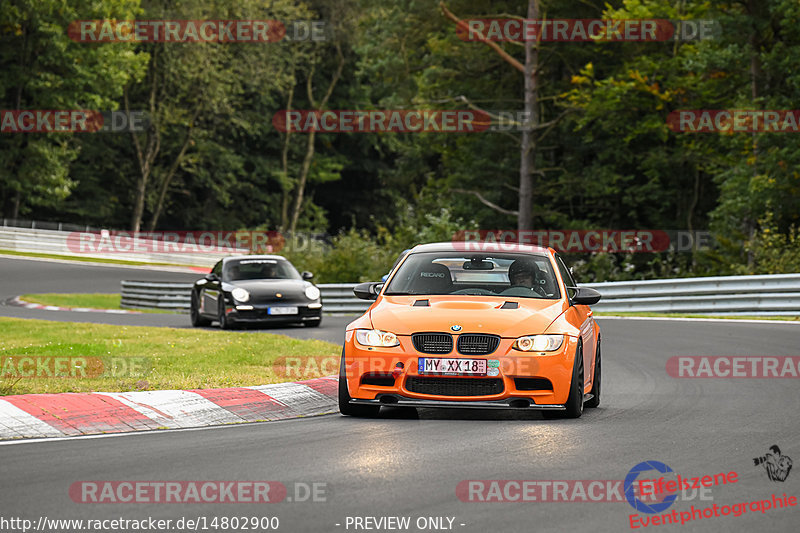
(240, 295)
(539, 343)
(376, 337)
(312, 293)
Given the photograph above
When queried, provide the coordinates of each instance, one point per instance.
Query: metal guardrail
(774, 295)
(765, 295)
(63, 243)
(156, 295)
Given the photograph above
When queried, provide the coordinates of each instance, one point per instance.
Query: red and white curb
(87, 413)
(17, 301)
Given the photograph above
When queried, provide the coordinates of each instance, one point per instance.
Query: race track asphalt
(409, 463)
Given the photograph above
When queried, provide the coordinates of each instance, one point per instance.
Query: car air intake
(455, 386)
(477, 344)
(432, 342)
(533, 384)
(379, 379)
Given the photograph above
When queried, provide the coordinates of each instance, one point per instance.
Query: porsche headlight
(539, 343)
(376, 337)
(312, 293)
(240, 295)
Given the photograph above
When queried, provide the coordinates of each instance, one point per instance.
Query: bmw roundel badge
(456, 327)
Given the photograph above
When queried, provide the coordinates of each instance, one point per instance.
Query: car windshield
(243, 269)
(475, 274)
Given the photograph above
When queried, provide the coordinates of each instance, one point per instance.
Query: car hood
(268, 288)
(399, 315)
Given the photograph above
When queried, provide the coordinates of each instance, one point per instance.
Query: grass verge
(684, 315)
(93, 300)
(148, 358)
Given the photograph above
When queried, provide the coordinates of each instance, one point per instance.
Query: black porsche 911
(250, 289)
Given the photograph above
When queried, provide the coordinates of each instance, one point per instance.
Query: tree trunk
(145, 157)
(286, 188)
(301, 185)
(162, 193)
(15, 209)
(528, 144)
(755, 73)
(306, 168)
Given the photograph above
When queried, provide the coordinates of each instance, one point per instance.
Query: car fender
(567, 323)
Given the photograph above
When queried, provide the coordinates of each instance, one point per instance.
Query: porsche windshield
(244, 269)
(475, 274)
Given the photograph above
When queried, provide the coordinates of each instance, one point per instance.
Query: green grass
(168, 358)
(88, 259)
(683, 315)
(95, 301)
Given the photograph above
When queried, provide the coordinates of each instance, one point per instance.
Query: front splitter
(508, 403)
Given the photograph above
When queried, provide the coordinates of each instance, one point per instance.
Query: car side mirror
(368, 290)
(211, 277)
(584, 296)
(307, 275)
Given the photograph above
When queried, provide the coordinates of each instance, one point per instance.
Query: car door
(211, 291)
(586, 320)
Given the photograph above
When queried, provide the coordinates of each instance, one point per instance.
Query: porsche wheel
(345, 407)
(595, 401)
(222, 317)
(194, 312)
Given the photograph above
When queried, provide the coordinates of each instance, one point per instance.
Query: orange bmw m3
(452, 327)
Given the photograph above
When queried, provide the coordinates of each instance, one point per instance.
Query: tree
(43, 69)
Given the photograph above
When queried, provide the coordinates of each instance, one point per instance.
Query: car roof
(256, 257)
(469, 246)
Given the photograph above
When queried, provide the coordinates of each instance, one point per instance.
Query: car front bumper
(529, 381)
(259, 313)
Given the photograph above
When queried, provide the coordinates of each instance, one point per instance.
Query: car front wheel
(345, 407)
(574, 403)
(222, 317)
(595, 392)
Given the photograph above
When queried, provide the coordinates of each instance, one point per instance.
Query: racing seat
(433, 279)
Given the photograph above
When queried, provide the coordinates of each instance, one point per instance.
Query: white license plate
(452, 366)
(282, 310)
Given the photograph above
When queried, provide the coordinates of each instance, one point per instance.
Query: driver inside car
(525, 278)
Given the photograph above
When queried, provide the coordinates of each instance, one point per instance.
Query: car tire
(222, 318)
(574, 403)
(345, 407)
(597, 381)
(312, 323)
